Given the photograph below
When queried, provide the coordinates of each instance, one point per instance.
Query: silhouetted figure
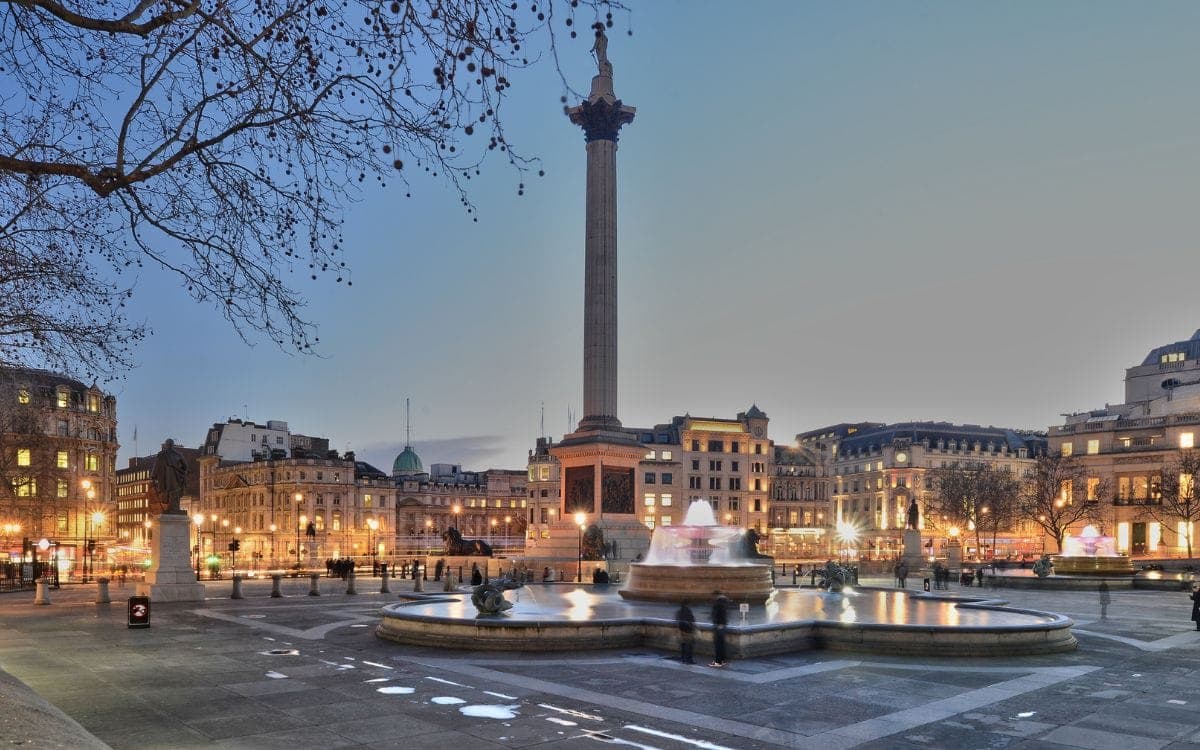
(914, 514)
(1196, 604)
(687, 632)
(1106, 597)
(720, 620)
(476, 576)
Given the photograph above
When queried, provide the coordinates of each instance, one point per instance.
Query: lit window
(64, 461)
(63, 399)
(649, 499)
(23, 396)
(1093, 447)
(665, 500)
(366, 501)
(651, 456)
(24, 457)
(648, 521)
(93, 402)
(1067, 449)
(544, 473)
(666, 455)
(25, 487)
(93, 462)
(1187, 440)
(62, 488)
(666, 520)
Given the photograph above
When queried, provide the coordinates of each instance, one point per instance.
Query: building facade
(137, 504)
(58, 452)
(878, 470)
(1127, 447)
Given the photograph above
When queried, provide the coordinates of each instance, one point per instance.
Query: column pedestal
(170, 577)
(914, 553)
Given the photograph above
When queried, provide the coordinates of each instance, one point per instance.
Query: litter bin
(139, 611)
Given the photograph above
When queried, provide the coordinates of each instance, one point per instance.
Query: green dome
(408, 462)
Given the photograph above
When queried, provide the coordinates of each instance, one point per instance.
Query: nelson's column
(599, 461)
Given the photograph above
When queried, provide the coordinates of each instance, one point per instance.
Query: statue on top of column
(600, 50)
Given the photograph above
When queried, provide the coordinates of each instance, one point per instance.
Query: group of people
(686, 621)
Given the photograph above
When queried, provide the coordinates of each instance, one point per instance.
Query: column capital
(601, 119)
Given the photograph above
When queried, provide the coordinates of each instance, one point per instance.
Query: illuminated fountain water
(1089, 553)
(692, 560)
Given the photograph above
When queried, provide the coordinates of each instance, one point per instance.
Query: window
(1093, 447)
(1172, 357)
(758, 448)
(366, 501)
(545, 493)
(93, 462)
(693, 483)
(649, 477)
(320, 499)
(648, 521)
(336, 520)
(23, 396)
(64, 429)
(24, 457)
(24, 486)
(666, 455)
(532, 474)
(696, 445)
(696, 464)
(716, 446)
(666, 520)
(735, 447)
(735, 465)
(714, 483)
(320, 476)
(279, 440)
(758, 485)
(667, 477)
(1092, 484)
(1066, 448)
(254, 438)
(733, 503)
(665, 500)
(61, 489)
(648, 499)
(1187, 440)
(758, 505)
(735, 483)
(714, 465)
(651, 456)
(63, 461)
(62, 399)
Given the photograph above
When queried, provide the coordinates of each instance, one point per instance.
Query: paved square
(308, 672)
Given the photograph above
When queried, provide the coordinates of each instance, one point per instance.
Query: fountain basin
(1098, 565)
(574, 618)
(665, 582)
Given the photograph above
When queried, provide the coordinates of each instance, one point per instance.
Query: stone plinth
(170, 577)
(696, 583)
(914, 553)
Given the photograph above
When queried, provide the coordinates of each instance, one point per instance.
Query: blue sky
(975, 212)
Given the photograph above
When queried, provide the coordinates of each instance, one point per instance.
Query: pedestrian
(547, 577)
(1196, 604)
(896, 574)
(979, 576)
(687, 632)
(1105, 598)
(902, 574)
(439, 569)
(720, 620)
(476, 576)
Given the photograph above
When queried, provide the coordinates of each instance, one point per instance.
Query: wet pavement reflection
(583, 603)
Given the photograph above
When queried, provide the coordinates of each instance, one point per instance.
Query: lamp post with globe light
(580, 519)
(372, 526)
(274, 528)
(198, 519)
(299, 497)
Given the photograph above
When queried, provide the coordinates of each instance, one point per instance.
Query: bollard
(449, 584)
(43, 591)
(350, 582)
(237, 587)
(315, 588)
(102, 591)
(795, 575)
(275, 592)
(383, 579)
(419, 585)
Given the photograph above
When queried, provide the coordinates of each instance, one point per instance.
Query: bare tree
(973, 496)
(223, 141)
(1055, 495)
(1177, 500)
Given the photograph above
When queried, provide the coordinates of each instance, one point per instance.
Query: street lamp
(429, 535)
(299, 497)
(198, 519)
(95, 519)
(507, 532)
(372, 525)
(580, 518)
(492, 531)
(273, 529)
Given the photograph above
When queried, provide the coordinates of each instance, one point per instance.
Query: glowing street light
(580, 519)
(372, 525)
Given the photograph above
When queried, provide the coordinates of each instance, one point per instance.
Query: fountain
(691, 561)
(1089, 553)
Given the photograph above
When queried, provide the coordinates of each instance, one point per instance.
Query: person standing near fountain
(686, 621)
(720, 620)
(1105, 598)
(1195, 597)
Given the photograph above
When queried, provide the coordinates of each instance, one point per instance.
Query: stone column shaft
(600, 288)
